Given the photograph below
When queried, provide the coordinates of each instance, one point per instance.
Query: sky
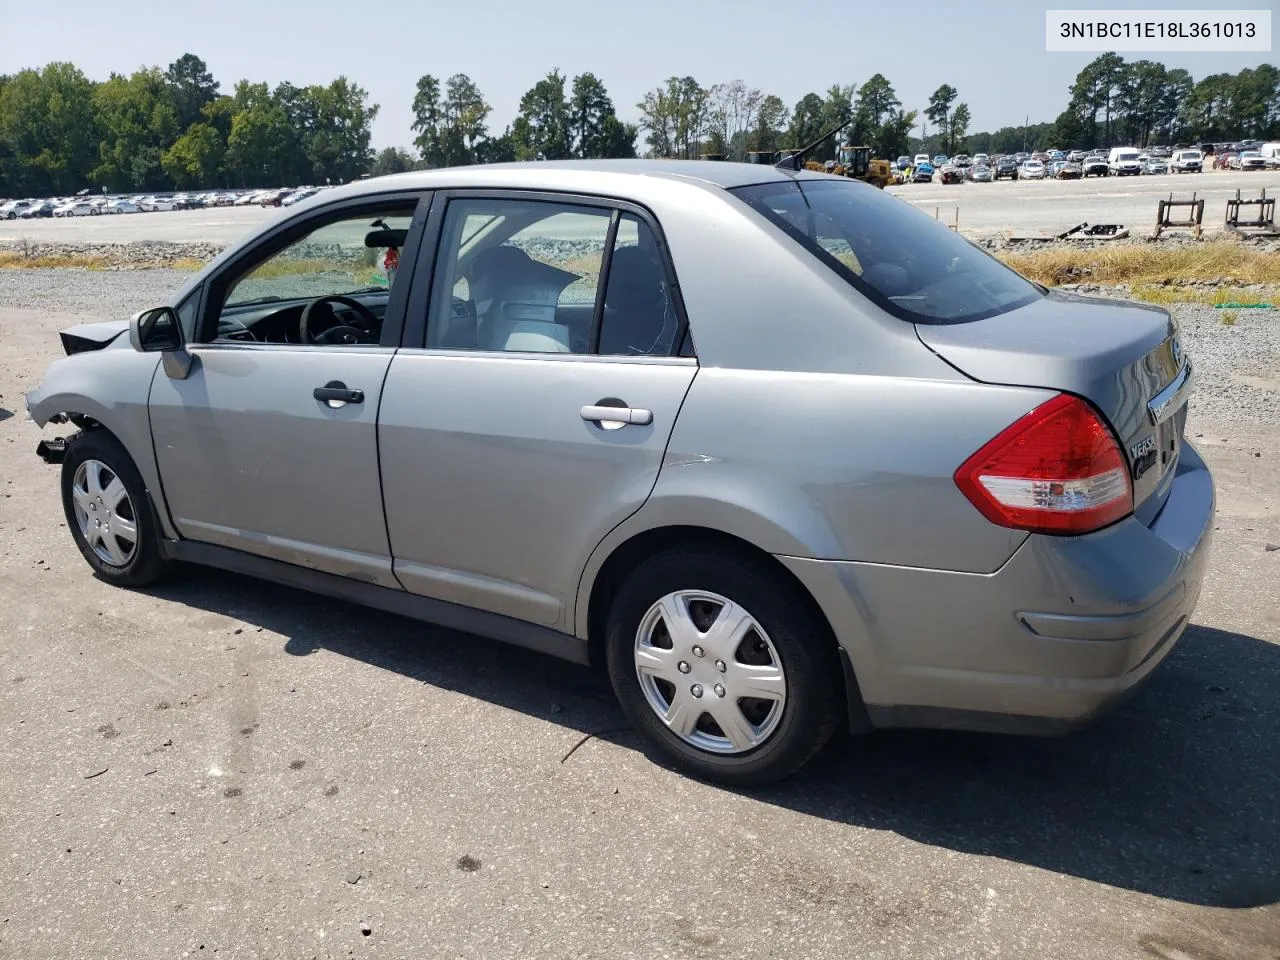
(991, 51)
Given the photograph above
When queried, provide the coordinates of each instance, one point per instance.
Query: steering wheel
(354, 332)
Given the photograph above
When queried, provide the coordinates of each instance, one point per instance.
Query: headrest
(634, 272)
(511, 265)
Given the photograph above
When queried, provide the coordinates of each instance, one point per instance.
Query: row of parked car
(89, 206)
(1078, 164)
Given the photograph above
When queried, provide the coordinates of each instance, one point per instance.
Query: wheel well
(627, 556)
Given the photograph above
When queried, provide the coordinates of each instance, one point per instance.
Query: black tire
(146, 565)
(814, 704)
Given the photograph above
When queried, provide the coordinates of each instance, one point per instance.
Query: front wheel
(724, 665)
(108, 511)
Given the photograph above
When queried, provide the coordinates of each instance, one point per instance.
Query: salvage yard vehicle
(1187, 161)
(778, 450)
(1031, 170)
(1250, 160)
(1095, 165)
(1005, 167)
(1124, 162)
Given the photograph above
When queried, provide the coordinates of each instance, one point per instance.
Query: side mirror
(156, 330)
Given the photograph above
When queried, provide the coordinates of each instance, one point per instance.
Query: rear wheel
(723, 665)
(109, 512)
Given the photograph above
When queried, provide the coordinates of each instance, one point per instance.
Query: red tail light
(1056, 470)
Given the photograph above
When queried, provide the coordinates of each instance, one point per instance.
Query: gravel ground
(224, 767)
(94, 294)
(1237, 364)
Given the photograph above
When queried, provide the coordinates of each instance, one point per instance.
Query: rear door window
(899, 258)
(535, 276)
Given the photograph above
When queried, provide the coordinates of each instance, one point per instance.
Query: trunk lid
(1122, 357)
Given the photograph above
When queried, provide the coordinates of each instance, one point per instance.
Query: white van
(1187, 161)
(1271, 153)
(1124, 161)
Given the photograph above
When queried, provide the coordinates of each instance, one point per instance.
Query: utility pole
(1025, 124)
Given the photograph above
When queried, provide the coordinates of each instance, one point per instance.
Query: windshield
(901, 259)
(1125, 157)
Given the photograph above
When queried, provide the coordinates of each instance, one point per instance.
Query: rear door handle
(335, 391)
(601, 414)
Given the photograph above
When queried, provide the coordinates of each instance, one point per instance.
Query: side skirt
(429, 610)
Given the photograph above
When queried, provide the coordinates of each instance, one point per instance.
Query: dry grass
(1171, 295)
(1229, 317)
(14, 260)
(1148, 264)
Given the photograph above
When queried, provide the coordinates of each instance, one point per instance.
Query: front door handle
(601, 414)
(335, 392)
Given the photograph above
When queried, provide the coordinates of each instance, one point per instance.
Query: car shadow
(5, 414)
(1173, 794)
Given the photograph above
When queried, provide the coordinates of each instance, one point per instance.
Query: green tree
(1140, 99)
(939, 112)
(772, 119)
(139, 123)
(258, 146)
(1096, 90)
(806, 121)
(1177, 90)
(48, 131)
(501, 149)
(1069, 130)
(195, 157)
(731, 115)
(674, 117)
(958, 129)
(337, 144)
(391, 160)
(876, 102)
(837, 110)
(594, 126)
(894, 136)
(1254, 108)
(541, 130)
(464, 124)
(193, 87)
(428, 121)
(1208, 109)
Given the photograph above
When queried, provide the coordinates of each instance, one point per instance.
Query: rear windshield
(899, 258)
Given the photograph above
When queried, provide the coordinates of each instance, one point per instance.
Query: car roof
(562, 174)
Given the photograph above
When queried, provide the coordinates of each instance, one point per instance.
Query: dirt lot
(223, 767)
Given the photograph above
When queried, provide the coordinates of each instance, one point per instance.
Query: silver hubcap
(105, 513)
(710, 672)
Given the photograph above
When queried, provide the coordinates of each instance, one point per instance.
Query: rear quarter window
(899, 258)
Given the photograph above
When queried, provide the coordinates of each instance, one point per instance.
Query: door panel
(251, 460)
(497, 489)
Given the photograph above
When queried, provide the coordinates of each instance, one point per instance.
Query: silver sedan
(779, 451)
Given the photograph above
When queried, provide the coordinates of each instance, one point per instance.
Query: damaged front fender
(104, 389)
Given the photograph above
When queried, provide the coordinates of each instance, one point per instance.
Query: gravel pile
(1237, 364)
(1169, 240)
(143, 253)
(92, 294)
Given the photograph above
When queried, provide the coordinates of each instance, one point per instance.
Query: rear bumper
(1063, 630)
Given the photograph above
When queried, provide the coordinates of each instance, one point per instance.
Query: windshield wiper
(250, 303)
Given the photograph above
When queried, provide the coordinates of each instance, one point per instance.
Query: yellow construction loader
(853, 162)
